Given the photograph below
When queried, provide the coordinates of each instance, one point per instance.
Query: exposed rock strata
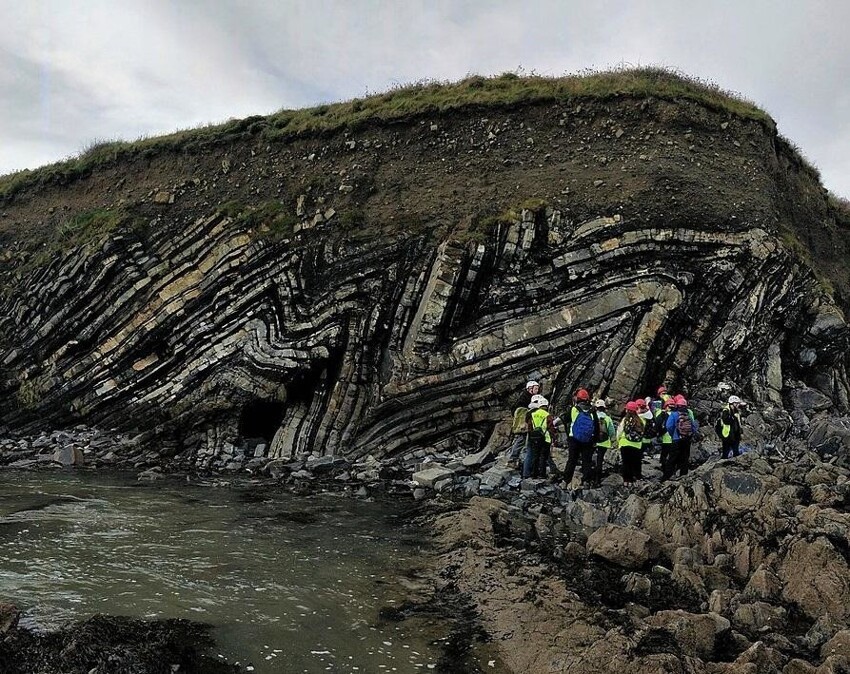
(203, 332)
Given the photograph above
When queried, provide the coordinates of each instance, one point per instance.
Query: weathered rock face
(386, 322)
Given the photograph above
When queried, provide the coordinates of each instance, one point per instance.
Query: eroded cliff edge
(384, 289)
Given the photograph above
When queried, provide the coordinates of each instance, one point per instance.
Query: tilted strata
(200, 336)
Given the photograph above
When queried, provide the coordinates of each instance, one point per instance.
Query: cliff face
(387, 289)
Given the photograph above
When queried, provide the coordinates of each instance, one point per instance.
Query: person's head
(734, 401)
(681, 401)
(661, 390)
(532, 387)
(538, 401)
(670, 404)
(582, 396)
(641, 405)
(600, 405)
(631, 407)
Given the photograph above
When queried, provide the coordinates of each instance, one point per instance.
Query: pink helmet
(631, 406)
(681, 401)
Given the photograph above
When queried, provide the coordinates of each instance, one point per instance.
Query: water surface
(291, 583)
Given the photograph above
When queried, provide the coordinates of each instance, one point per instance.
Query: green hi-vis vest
(538, 422)
(666, 439)
(726, 429)
(519, 421)
(623, 441)
(605, 420)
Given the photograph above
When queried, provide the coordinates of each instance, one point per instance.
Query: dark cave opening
(260, 419)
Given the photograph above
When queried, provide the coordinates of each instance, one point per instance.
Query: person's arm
(612, 432)
(694, 421)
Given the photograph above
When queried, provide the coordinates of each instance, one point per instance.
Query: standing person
(645, 413)
(582, 437)
(606, 435)
(728, 428)
(519, 429)
(664, 435)
(630, 441)
(661, 397)
(541, 430)
(682, 426)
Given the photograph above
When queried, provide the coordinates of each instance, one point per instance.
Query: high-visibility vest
(666, 438)
(538, 421)
(605, 420)
(726, 429)
(623, 441)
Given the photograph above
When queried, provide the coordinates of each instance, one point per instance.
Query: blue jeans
(520, 442)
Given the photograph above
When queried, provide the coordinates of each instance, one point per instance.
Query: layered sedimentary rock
(374, 328)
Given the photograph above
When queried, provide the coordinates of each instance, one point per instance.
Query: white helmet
(539, 400)
(531, 383)
(600, 403)
(734, 400)
(532, 406)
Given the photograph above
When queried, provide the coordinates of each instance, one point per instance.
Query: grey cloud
(150, 67)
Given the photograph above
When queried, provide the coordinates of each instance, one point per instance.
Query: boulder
(696, 633)
(9, 615)
(759, 616)
(427, 477)
(839, 645)
(763, 584)
(625, 546)
(736, 490)
(474, 460)
(816, 576)
(809, 400)
(69, 456)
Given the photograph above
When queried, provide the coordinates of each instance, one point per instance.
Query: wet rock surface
(730, 569)
(112, 645)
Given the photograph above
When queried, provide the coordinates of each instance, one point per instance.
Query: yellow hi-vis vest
(726, 429)
(623, 441)
(538, 421)
(605, 422)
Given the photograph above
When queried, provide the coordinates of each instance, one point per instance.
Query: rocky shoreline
(739, 567)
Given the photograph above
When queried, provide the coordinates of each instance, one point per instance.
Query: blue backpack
(584, 427)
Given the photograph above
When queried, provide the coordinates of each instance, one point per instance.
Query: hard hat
(536, 399)
(641, 403)
(543, 402)
(631, 406)
(531, 383)
(662, 389)
(670, 402)
(582, 394)
(600, 403)
(681, 401)
(532, 406)
(734, 400)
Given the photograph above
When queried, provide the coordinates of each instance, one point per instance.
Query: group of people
(588, 432)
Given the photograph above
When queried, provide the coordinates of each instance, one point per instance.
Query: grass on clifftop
(399, 103)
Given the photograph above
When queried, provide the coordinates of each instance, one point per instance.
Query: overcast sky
(75, 71)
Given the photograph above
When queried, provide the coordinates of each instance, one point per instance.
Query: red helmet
(681, 401)
(670, 402)
(641, 404)
(631, 406)
(661, 389)
(582, 394)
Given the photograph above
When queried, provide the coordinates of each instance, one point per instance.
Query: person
(519, 430)
(661, 397)
(728, 428)
(607, 433)
(630, 442)
(582, 437)
(645, 413)
(541, 430)
(682, 426)
(663, 434)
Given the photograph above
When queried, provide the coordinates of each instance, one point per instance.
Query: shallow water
(291, 583)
